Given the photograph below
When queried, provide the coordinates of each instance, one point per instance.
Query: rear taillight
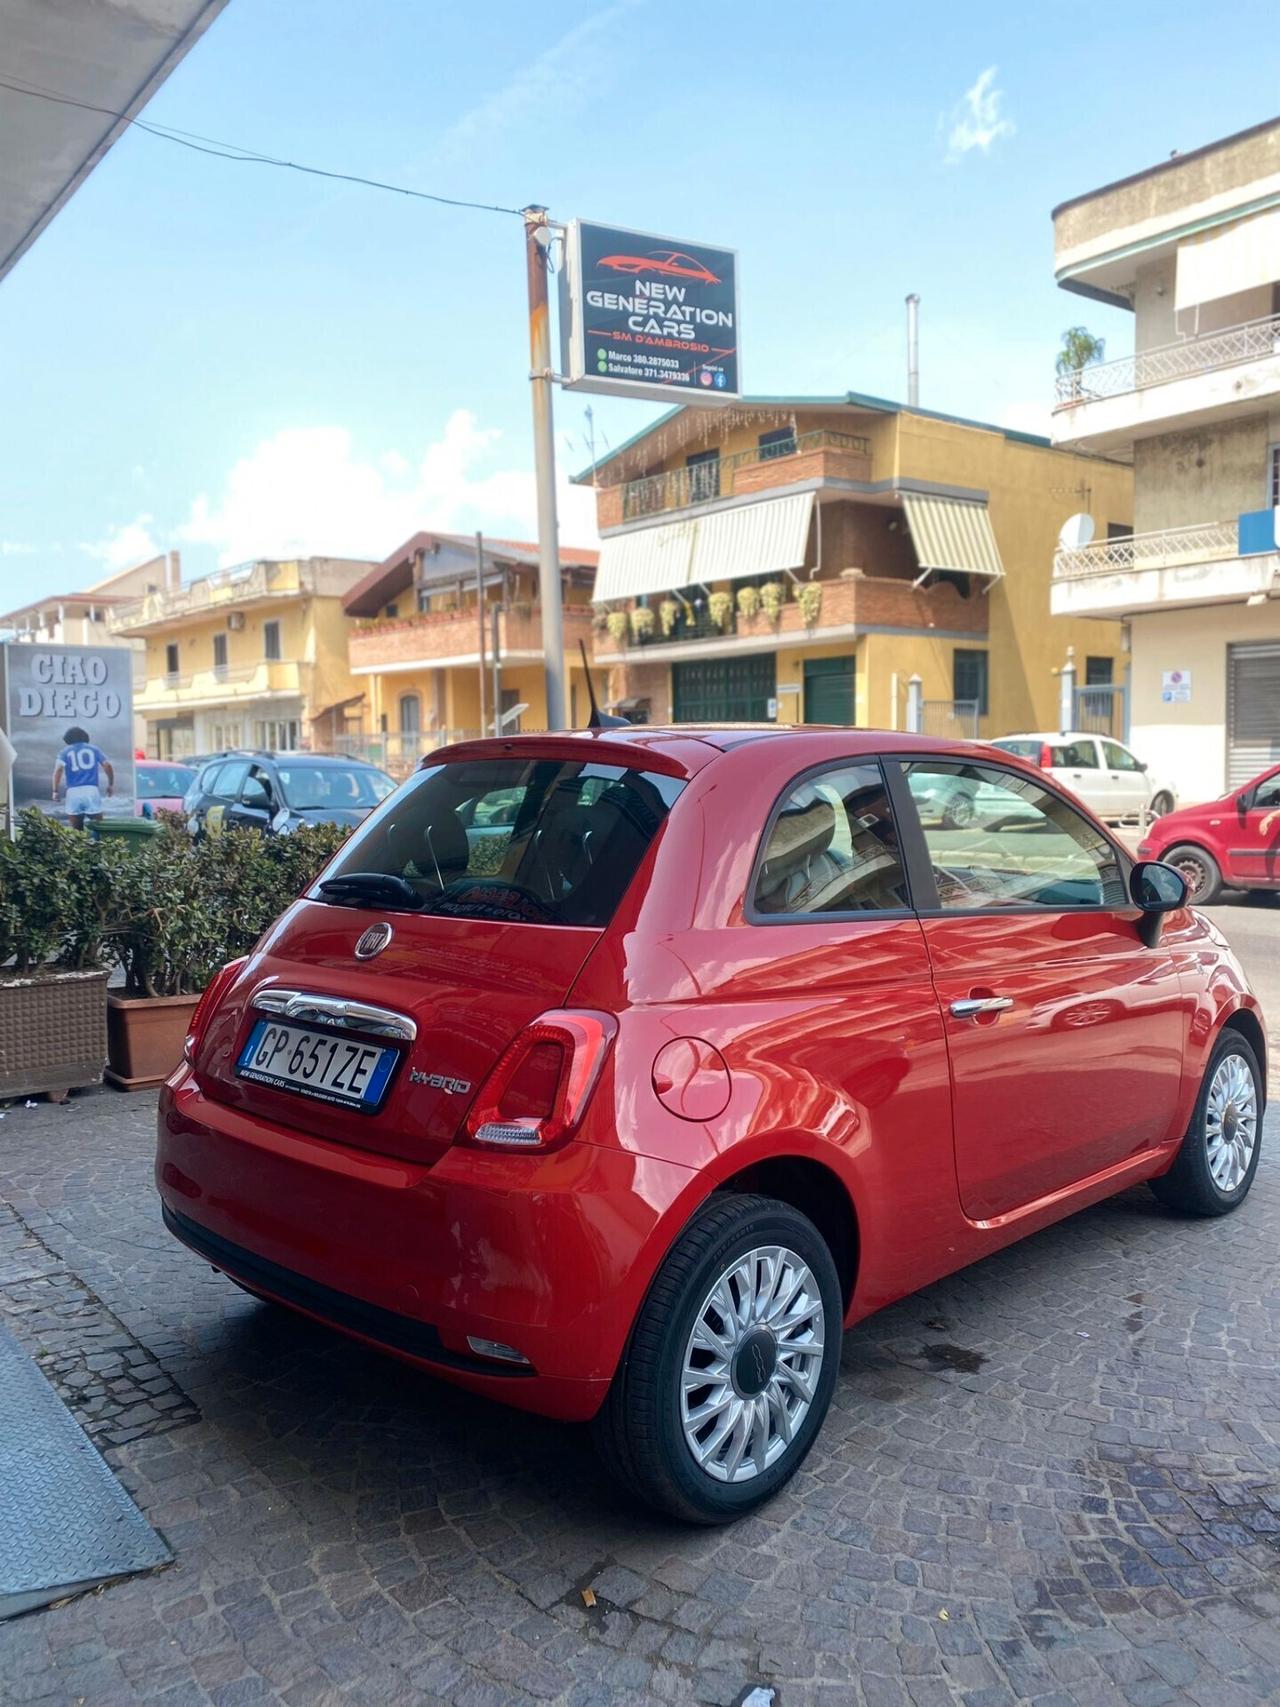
(213, 993)
(539, 1088)
(1045, 761)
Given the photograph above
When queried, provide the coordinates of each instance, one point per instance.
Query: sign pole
(537, 234)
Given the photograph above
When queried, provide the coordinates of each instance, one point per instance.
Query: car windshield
(160, 782)
(324, 788)
(533, 841)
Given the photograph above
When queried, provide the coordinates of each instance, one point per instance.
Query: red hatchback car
(613, 1074)
(1229, 843)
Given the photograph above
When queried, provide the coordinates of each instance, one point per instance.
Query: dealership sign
(651, 317)
(48, 691)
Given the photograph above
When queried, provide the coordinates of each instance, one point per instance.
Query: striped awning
(724, 545)
(952, 533)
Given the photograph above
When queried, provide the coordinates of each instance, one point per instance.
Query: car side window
(1076, 756)
(832, 847)
(1021, 846)
(1267, 793)
(1119, 758)
(255, 790)
(230, 779)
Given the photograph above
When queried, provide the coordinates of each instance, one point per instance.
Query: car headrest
(440, 841)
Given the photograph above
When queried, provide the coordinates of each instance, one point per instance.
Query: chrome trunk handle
(336, 1011)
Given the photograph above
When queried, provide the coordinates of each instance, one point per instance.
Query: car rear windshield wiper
(371, 888)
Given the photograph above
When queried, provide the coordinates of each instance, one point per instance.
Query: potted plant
(56, 907)
(748, 602)
(668, 616)
(809, 598)
(720, 609)
(186, 908)
(642, 621)
(1080, 349)
(773, 595)
(618, 624)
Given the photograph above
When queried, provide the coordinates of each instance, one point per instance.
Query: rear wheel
(959, 813)
(1218, 1158)
(731, 1363)
(1161, 805)
(1201, 870)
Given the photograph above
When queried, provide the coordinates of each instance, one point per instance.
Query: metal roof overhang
(724, 545)
(952, 534)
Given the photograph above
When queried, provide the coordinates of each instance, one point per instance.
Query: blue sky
(240, 362)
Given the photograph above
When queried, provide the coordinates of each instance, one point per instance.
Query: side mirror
(1157, 889)
(1143, 765)
(1245, 800)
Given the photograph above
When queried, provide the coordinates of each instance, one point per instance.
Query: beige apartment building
(1191, 247)
(250, 656)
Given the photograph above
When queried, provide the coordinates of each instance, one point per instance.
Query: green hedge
(170, 910)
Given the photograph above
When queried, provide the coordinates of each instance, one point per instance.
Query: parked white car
(1108, 776)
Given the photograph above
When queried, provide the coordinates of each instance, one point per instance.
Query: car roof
(686, 748)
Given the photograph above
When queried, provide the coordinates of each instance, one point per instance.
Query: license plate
(317, 1064)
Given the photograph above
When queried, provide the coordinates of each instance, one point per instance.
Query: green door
(828, 690)
(725, 690)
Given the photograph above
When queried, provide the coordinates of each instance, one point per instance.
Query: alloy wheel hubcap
(752, 1363)
(1231, 1122)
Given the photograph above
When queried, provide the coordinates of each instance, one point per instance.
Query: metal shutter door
(1253, 711)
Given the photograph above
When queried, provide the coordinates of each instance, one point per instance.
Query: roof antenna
(598, 719)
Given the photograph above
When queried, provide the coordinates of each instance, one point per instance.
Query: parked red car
(1229, 843)
(728, 1047)
(160, 785)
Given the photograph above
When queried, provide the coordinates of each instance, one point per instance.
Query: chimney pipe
(913, 351)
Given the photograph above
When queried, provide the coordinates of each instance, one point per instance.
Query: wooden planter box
(53, 1031)
(144, 1038)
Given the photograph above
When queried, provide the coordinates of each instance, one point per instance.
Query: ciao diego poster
(56, 699)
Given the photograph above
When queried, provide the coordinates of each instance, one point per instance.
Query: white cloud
(976, 120)
(1027, 418)
(576, 65)
(309, 491)
(16, 548)
(121, 547)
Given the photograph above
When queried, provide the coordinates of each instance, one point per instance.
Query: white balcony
(1176, 568)
(1220, 374)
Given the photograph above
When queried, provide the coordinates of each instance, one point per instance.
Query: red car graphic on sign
(669, 262)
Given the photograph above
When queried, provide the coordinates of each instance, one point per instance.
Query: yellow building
(846, 560)
(251, 656)
(437, 657)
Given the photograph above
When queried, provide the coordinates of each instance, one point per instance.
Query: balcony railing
(224, 587)
(1205, 543)
(700, 482)
(1204, 354)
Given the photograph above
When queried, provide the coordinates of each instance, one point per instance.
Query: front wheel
(1162, 805)
(731, 1363)
(1216, 1162)
(1201, 871)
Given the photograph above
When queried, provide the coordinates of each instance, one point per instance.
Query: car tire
(1201, 870)
(649, 1432)
(1217, 1159)
(1161, 805)
(959, 813)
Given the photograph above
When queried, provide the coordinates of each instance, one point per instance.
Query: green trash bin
(135, 831)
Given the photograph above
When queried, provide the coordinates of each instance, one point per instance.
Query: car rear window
(1021, 749)
(535, 841)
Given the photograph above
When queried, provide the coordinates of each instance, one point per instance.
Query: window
(780, 442)
(224, 735)
(703, 475)
(171, 658)
(410, 714)
(1016, 846)
(277, 734)
(392, 611)
(1267, 793)
(1119, 530)
(1119, 758)
(1098, 672)
(1074, 756)
(969, 678)
(311, 787)
(162, 782)
(228, 779)
(1273, 477)
(219, 651)
(569, 839)
(271, 641)
(832, 848)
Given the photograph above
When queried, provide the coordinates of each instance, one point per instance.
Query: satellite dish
(1076, 533)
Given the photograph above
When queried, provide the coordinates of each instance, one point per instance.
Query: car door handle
(972, 1006)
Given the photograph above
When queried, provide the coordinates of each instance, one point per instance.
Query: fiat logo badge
(373, 941)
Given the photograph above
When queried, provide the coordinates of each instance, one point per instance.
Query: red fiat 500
(612, 1074)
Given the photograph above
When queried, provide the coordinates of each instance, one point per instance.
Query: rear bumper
(549, 1254)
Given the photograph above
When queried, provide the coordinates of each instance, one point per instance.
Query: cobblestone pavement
(1053, 1478)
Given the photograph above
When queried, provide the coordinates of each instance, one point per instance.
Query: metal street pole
(537, 234)
(480, 618)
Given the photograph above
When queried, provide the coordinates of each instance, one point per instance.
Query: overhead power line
(250, 156)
